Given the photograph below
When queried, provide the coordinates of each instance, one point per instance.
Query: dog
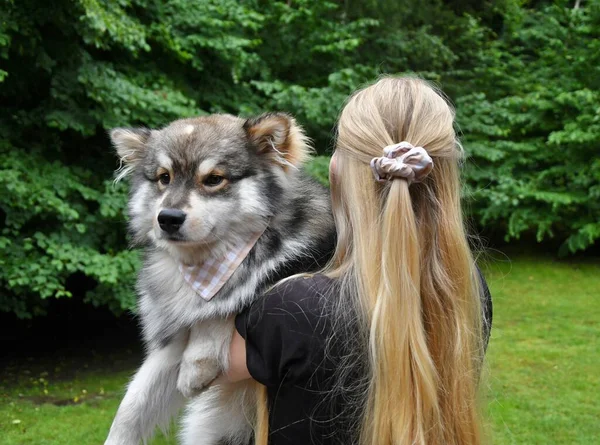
(200, 189)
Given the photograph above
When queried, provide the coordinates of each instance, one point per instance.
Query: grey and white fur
(197, 187)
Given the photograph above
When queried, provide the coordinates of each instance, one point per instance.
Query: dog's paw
(195, 376)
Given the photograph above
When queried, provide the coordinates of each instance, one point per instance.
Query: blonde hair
(403, 259)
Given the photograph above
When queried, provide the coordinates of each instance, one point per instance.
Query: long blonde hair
(403, 260)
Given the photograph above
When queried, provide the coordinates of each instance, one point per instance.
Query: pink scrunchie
(404, 161)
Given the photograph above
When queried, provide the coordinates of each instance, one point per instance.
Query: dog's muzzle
(171, 220)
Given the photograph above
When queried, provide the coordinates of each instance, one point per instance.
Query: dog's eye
(213, 180)
(164, 178)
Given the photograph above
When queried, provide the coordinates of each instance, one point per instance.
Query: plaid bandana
(209, 277)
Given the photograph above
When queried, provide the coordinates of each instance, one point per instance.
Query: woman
(385, 346)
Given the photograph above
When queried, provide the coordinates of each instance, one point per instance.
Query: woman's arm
(238, 370)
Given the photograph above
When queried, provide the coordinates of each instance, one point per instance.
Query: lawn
(544, 356)
(543, 375)
(75, 407)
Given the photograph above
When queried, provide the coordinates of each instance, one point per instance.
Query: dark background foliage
(524, 75)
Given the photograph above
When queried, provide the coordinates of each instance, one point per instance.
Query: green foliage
(71, 70)
(56, 227)
(524, 78)
(318, 167)
(534, 139)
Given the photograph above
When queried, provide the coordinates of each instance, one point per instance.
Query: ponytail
(403, 402)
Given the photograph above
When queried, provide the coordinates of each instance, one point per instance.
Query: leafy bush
(535, 137)
(73, 69)
(318, 167)
(525, 82)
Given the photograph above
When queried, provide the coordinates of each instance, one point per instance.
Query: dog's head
(201, 183)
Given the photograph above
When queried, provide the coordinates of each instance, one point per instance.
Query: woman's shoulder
(286, 329)
(298, 303)
(302, 292)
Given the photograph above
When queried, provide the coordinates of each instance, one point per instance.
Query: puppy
(223, 211)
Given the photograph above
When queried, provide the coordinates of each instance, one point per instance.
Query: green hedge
(525, 79)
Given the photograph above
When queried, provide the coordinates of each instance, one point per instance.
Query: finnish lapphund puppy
(201, 189)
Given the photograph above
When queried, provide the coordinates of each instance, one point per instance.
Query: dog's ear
(279, 137)
(131, 145)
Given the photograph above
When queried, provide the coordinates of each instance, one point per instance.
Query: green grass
(543, 376)
(544, 361)
(64, 401)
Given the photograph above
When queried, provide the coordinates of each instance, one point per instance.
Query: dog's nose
(171, 220)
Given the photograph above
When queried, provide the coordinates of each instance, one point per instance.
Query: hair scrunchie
(404, 161)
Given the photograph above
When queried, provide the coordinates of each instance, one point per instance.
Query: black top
(287, 334)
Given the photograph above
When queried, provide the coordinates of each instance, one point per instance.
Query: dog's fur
(187, 338)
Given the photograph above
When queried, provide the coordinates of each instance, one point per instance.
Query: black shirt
(287, 333)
